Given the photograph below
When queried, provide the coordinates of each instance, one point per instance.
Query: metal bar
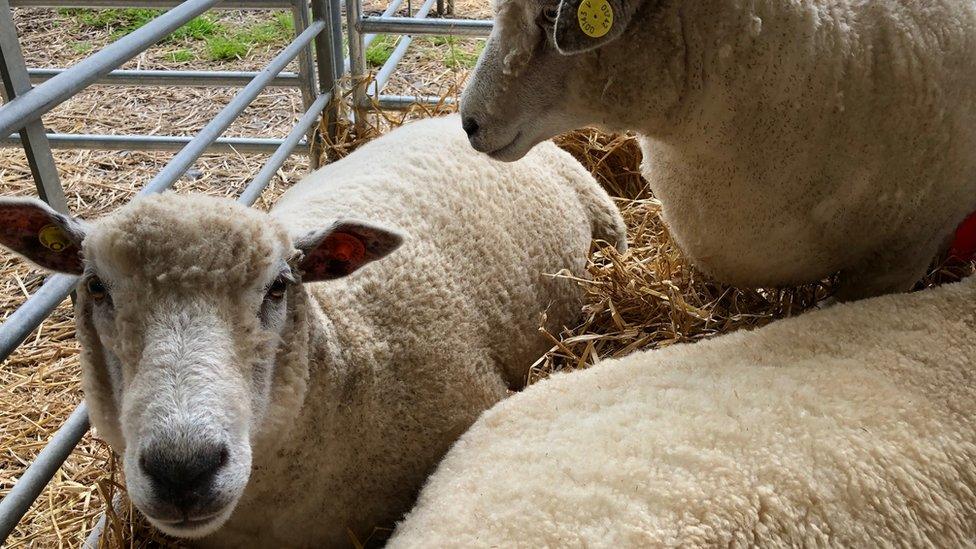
(150, 143)
(185, 158)
(386, 71)
(368, 38)
(404, 102)
(338, 45)
(357, 57)
(261, 180)
(328, 55)
(411, 25)
(162, 4)
(13, 73)
(306, 70)
(28, 316)
(172, 78)
(388, 12)
(30, 106)
(45, 465)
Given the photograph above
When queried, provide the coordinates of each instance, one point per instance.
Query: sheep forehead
(186, 241)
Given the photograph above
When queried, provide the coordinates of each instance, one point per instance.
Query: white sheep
(258, 411)
(851, 426)
(786, 140)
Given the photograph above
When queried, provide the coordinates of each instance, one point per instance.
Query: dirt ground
(39, 382)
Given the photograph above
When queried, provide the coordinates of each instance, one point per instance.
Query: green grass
(457, 58)
(285, 21)
(180, 56)
(197, 28)
(235, 45)
(222, 48)
(458, 54)
(222, 44)
(82, 47)
(380, 50)
(123, 21)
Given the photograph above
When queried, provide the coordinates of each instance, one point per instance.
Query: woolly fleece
(849, 426)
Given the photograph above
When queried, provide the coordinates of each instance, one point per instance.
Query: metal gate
(319, 80)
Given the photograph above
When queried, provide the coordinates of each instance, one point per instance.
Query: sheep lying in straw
(786, 140)
(258, 411)
(849, 426)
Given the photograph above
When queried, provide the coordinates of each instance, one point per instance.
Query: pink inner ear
(345, 247)
(338, 255)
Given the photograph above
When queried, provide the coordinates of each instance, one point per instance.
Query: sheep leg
(895, 271)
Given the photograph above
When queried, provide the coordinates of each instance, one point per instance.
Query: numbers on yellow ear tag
(595, 17)
(53, 238)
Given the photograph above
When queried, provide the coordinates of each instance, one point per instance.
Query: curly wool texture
(378, 373)
(221, 243)
(850, 426)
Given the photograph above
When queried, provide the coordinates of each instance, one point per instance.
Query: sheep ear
(343, 248)
(32, 229)
(583, 25)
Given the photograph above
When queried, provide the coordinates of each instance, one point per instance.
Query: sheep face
(191, 318)
(531, 81)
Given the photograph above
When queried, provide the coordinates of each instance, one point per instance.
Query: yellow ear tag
(53, 238)
(595, 17)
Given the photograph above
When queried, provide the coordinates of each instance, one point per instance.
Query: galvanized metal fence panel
(361, 31)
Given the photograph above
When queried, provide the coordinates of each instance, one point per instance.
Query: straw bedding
(644, 298)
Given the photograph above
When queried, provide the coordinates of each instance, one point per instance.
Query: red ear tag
(346, 248)
(964, 246)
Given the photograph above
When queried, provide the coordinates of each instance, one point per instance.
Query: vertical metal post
(328, 59)
(16, 81)
(357, 58)
(306, 72)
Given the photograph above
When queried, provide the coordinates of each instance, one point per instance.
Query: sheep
(264, 384)
(787, 141)
(848, 426)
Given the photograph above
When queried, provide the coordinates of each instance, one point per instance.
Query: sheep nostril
(184, 478)
(470, 126)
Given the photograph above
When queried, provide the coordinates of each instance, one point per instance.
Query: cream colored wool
(787, 141)
(851, 426)
(346, 408)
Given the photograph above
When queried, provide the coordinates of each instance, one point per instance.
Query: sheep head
(541, 72)
(194, 330)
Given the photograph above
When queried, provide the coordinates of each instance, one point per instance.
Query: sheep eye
(96, 289)
(277, 289)
(550, 14)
